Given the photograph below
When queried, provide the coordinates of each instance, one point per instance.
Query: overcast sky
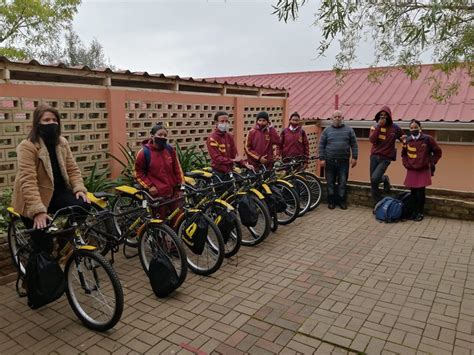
(205, 38)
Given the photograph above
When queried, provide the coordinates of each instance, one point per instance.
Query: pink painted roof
(312, 94)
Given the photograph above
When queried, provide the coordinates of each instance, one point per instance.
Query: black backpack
(408, 205)
(278, 200)
(226, 222)
(44, 279)
(162, 274)
(195, 233)
(248, 211)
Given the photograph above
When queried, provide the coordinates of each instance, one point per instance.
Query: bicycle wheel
(161, 237)
(292, 203)
(304, 194)
(92, 229)
(234, 240)
(316, 189)
(19, 245)
(255, 235)
(122, 204)
(212, 256)
(93, 290)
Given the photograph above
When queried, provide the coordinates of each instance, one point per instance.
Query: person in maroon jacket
(157, 168)
(294, 142)
(260, 141)
(383, 137)
(221, 147)
(420, 154)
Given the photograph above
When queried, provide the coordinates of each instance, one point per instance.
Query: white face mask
(223, 127)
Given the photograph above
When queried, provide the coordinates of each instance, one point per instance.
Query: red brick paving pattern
(333, 282)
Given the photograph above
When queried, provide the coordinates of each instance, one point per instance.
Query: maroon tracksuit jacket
(294, 143)
(260, 142)
(383, 138)
(222, 149)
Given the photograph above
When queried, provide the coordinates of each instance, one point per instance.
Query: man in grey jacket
(337, 144)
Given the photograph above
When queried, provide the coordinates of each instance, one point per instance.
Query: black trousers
(62, 197)
(419, 195)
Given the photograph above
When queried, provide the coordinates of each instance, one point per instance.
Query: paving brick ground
(333, 282)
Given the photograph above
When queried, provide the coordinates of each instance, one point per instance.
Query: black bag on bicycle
(195, 233)
(44, 279)
(278, 200)
(248, 211)
(226, 222)
(162, 274)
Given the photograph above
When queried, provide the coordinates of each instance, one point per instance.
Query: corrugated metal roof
(312, 94)
(85, 68)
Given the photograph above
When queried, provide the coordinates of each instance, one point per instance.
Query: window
(362, 132)
(455, 136)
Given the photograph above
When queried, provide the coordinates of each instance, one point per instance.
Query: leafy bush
(128, 165)
(98, 181)
(5, 202)
(191, 158)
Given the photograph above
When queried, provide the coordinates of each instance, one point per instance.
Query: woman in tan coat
(48, 177)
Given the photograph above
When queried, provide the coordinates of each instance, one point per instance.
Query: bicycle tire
(316, 189)
(176, 253)
(96, 239)
(304, 194)
(121, 204)
(232, 246)
(293, 203)
(18, 244)
(91, 261)
(216, 247)
(258, 237)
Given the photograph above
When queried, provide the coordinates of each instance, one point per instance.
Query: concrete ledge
(439, 203)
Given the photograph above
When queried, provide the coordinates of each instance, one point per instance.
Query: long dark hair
(39, 112)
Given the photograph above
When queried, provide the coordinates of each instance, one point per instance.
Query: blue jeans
(378, 166)
(337, 172)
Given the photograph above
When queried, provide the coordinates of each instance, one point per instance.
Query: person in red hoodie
(383, 137)
(260, 141)
(157, 168)
(420, 154)
(294, 142)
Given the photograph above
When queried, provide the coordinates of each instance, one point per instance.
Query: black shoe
(386, 184)
(331, 205)
(343, 206)
(419, 217)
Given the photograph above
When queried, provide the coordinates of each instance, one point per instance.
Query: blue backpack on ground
(388, 210)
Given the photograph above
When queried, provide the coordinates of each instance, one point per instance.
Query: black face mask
(415, 132)
(160, 142)
(49, 132)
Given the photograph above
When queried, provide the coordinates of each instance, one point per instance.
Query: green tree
(26, 25)
(401, 32)
(74, 52)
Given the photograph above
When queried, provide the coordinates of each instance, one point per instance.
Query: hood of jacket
(387, 110)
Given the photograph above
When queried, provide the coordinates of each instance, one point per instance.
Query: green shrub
(191, 158)
(5, 202)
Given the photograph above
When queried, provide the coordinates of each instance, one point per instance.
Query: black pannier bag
(248, 211)
(44, 279)
(226, 221)
(194, 233)
(278, 200)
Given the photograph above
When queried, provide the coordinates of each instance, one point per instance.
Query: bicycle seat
(96, 200)
(13, 212)
(198, 174)
(129, 190)
(189, 180)
(103, 194)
